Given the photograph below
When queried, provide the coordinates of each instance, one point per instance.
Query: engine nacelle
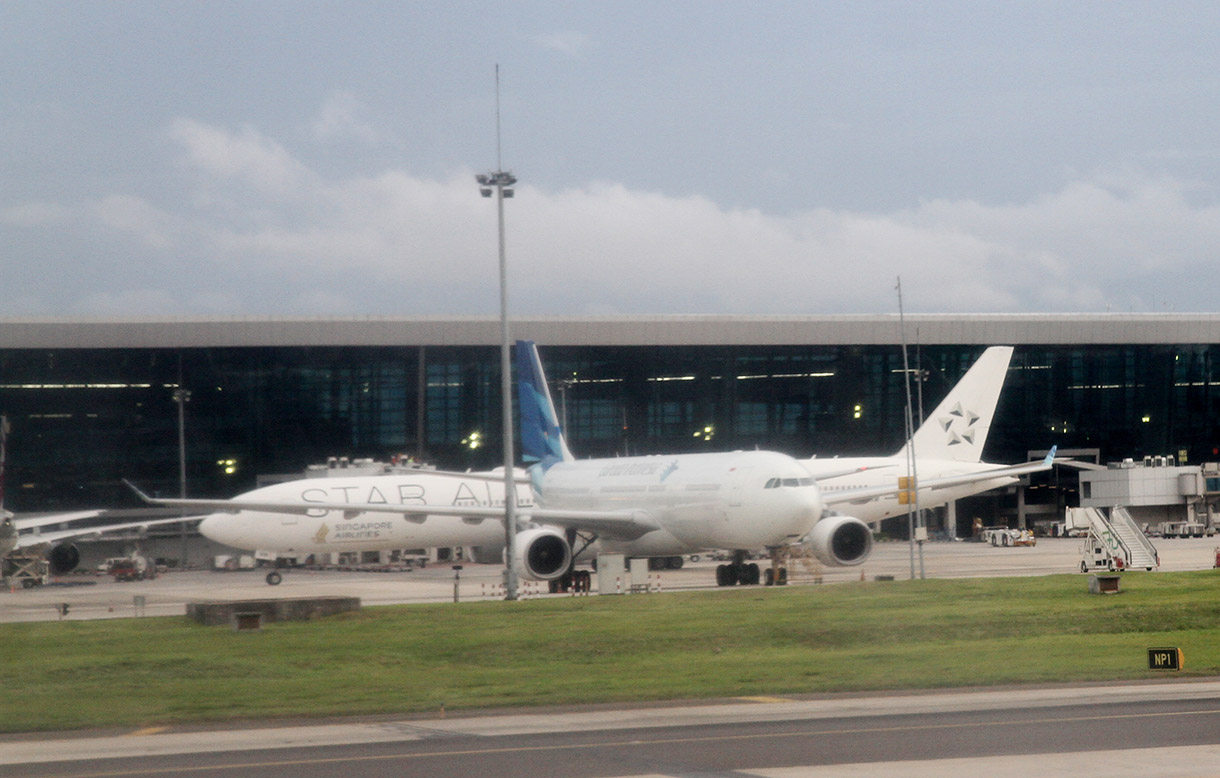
(841, 540)
(63, 558)
(542, 554)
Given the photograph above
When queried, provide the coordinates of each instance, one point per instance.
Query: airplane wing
(826, 475)
(615, 525)
(33, 522)
(865, 494)
(31, 539)
(520, 476)
(619, 524)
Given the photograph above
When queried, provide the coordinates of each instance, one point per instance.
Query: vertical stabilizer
(541, 438)
(957, 429)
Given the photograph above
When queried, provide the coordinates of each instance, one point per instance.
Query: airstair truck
(1113, 542)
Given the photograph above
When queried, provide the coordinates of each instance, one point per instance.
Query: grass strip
(420, 658)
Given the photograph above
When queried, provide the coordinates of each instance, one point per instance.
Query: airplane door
(737, 482)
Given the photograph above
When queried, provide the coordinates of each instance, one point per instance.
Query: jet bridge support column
(951, 519)
(1020, 507)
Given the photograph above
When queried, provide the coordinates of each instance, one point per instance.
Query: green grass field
(757, 641)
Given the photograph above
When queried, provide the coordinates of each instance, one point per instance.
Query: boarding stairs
(1114, 542)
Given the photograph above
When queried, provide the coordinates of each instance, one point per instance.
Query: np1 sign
(1164, 659)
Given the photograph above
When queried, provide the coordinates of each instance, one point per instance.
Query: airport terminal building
(91, 402)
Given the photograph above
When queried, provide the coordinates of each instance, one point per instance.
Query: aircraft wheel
(782, 578)
(674, 563)
(725, 575)
(274, 578)
(769, 577)
(748, 575)
(1084, 568)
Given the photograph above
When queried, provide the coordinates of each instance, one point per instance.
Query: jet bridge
(1113, 542)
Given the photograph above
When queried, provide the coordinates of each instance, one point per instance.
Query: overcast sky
(310, 158)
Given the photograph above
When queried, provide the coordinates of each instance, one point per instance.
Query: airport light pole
(499, 183)
(916, 530)
(182, 397)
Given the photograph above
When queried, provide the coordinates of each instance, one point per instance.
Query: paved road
(1162, 729)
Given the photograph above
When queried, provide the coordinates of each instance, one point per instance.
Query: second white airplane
(947, 449)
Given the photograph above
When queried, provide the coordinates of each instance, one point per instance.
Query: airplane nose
(807, 508)
(218, 527)
(814, 504)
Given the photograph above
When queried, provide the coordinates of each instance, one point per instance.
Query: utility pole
(182, 397)
(917, 532)
(499, 183)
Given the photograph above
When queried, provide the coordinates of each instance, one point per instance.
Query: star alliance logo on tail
(959, 425)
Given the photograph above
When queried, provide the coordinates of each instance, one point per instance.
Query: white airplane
(655, 506)
(24, 544)
(947, 448)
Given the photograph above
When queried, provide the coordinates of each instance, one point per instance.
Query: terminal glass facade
(83, 419)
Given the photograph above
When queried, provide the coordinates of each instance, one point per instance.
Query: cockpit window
(775, 483)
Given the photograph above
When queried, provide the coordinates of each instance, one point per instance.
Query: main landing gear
(738, 572)
(573, 580)
(577, 581)
(742, 573)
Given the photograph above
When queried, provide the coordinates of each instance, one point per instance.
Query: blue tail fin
(541, 438)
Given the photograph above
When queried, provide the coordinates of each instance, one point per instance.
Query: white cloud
(284, 239)
(244, 156)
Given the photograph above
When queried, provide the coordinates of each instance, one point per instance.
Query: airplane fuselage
(742, 500)
(882, 471)
(328, 531)
(734, 500)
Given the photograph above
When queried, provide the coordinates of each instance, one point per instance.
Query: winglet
(144, 497)
(1050, 457)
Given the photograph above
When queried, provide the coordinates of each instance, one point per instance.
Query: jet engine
(542, 554)
(63, 558)
(841, 540)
